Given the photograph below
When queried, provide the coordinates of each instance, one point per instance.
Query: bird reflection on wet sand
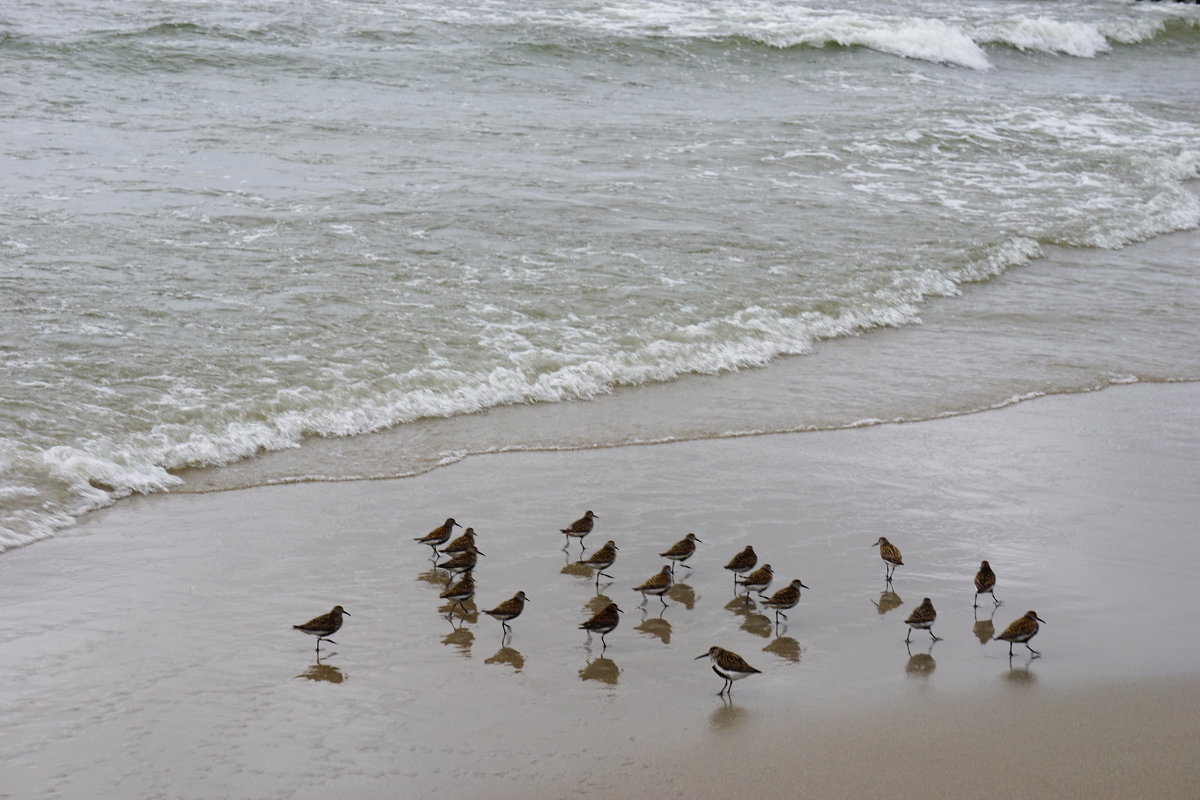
(785, 647)
(462, 639)
(435, 576)
(509, 656)
(887, 601)
(466, 612)
(683, 594)
(984, 630)
(729, 717)
(759, 625)
(657, 627)
(578, 569)
(323, 672)
(920, 663)
(600, 669)
(741, 605)
(597, 603)
(752, 621)
(1021, 676)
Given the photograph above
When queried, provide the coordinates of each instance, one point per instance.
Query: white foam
(1047, 35)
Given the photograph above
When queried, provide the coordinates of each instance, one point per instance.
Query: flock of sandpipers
(463, 556)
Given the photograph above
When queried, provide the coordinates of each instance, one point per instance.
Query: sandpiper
(439, 535)
(787, 597)
(728, 665)
(922, 617)
(681, 551)
(601, 560)
(460, 592)
(579, 529)
(891, 557)
(741, 563)
(985, 583)
(462, 543)
(758, 580)
(1021, 631)
(603, 622)
(658, 584)
(461, 562)
(324, 626)
(509, 609)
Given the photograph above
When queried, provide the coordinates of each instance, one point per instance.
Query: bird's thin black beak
(702, 655)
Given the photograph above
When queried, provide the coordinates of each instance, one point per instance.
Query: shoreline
(152, 650)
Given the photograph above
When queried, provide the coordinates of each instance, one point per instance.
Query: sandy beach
(150, 650)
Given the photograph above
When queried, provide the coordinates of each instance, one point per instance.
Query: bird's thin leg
(935, 638)
(996, 603)
(1036, 654)
(662, 600)
(909, 634)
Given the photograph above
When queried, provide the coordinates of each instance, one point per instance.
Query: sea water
(244, 234)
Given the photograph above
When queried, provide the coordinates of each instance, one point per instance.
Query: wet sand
(149, 651)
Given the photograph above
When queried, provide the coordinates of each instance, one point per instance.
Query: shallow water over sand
(152, 651)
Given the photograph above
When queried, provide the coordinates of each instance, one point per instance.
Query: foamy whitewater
(230, 228)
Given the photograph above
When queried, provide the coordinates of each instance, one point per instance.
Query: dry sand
(149, 651)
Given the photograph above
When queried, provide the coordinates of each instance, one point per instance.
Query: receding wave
(61, 482)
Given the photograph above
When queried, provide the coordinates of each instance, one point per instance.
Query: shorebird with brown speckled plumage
(461, 544)
(439, 535)
(758, 580)
(324, 626)
(922, 618)
(681, 551)
(787, 597)
(461, 562)
(891, 557)
(579, 529)
(603, 622)
(985, 583)
(728, 665)
(742, 563)
(658, 584)
(1021, 631)
(509, 609)
(460, 592)
(601, 560)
